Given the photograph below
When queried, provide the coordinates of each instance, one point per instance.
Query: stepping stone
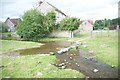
(52, 53)
(78, 65)
(65, 60)
(71, 57)
(95, 70)
(75, 77)
(63, 67)
(112, 66)
(62, 64)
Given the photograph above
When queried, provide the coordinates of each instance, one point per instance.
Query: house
(12, 23)
(46, 7)
(86, 26)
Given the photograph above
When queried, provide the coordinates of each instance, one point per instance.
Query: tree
(3, 27)
(100, 24)
(70, 24)
(115, 21)
(50, 20)
(33, 25)
(36, 25)
(106, 23)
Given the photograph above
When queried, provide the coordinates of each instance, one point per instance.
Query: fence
(98, 33)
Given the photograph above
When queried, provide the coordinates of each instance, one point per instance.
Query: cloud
(84, 9)
(11, 8)
(88, 9)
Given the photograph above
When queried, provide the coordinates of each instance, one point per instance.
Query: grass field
(58, 39)
(31, 66)
(8, 45)
(35, 66)
(104, 46)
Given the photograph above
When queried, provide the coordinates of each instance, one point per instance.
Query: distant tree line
(106, 23)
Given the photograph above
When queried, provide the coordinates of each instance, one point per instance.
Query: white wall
(86, 26)
(45, 8)
(59, 33)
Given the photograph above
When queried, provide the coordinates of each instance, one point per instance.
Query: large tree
(34, 25)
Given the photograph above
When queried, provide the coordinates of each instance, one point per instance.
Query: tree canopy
(50, 20)
(35, 24)
(100, 24)
(69, 23)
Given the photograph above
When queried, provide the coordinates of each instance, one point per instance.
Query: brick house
(12, 23)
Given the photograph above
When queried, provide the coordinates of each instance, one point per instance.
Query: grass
(31, 66)
(35, 66)
(8, 45)
(82, 34)
(105, 48)
(58, 39)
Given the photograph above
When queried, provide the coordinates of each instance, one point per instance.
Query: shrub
(69, 23)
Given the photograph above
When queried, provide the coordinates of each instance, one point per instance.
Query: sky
(83, 9)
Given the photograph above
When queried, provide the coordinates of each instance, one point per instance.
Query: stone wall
(59, 33)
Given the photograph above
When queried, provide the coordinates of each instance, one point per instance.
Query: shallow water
(44, 49)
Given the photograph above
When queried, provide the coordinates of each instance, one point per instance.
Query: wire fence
(97, 33)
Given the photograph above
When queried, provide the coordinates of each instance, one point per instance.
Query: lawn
(35, 66)
(105, 47)
(31, 66)
(8, 45)
(57, 39)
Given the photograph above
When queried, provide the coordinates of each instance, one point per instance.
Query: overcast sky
(83, 9)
